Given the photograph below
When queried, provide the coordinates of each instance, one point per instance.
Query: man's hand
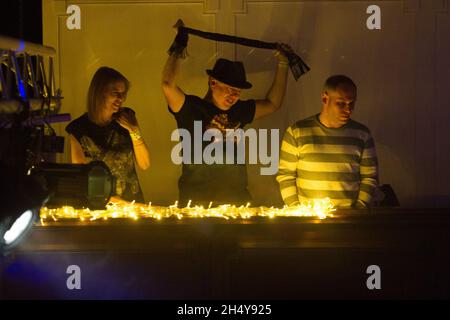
(359, 204)
(180, 43)
(280, 53)
(179, 23)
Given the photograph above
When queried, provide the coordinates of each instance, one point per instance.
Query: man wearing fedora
(222, 109)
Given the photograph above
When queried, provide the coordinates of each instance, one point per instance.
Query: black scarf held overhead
(297, 65)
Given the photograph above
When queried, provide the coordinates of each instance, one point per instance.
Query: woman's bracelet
(283, 63)
(136, 135)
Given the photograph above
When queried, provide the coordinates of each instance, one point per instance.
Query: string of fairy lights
(317, 208)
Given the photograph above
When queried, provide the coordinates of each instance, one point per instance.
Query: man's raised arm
(174, 95)
(275, 95)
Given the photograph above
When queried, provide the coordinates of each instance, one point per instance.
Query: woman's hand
(127, 119)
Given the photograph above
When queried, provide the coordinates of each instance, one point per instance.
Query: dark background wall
(21, 19)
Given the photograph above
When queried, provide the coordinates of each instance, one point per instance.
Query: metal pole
(19, 46)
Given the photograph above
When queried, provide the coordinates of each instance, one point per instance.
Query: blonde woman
(110, 133)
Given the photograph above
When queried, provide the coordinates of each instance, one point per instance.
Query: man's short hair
(335, 81)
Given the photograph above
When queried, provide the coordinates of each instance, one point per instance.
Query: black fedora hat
(231, 73)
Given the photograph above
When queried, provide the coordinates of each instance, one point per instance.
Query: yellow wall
(402, 72)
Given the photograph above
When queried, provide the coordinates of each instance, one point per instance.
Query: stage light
(78, 185)
(21, 198)
(19, 229)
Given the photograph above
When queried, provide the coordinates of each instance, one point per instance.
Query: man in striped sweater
(329, 154)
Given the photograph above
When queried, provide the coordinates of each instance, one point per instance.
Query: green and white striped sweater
(318, 162)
